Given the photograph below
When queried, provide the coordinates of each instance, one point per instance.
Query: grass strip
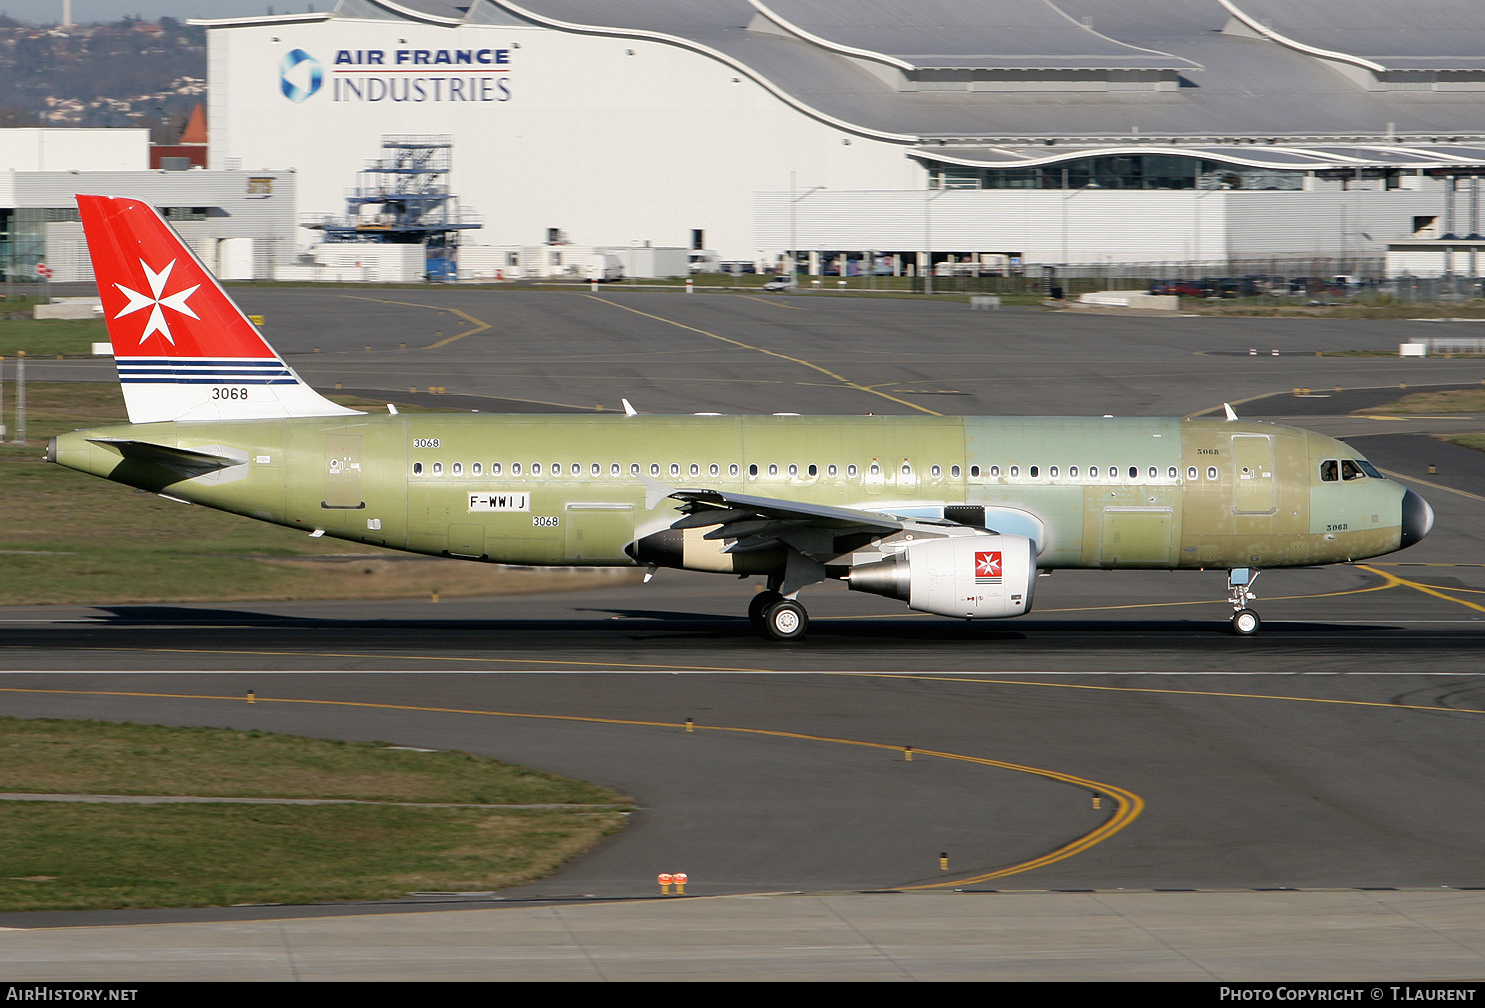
(1475, 441)
(46, 756)
(1469, 400)
(51, 337)
(66, 855)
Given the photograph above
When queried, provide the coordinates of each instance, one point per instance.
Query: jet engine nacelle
(970, 577)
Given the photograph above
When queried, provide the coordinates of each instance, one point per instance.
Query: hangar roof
(1087, 72)
(1282, 157)
(1019, 34)
(1423, 35)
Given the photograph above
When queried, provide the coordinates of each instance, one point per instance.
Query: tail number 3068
(546, 521)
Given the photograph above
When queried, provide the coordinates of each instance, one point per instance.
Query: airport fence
(1295, 280)
(1454, 344)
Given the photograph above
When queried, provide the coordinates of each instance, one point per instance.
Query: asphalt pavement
(1304, 804)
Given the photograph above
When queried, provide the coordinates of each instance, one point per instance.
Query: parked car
(1182, 288)
(1317, 287)
(778, 283)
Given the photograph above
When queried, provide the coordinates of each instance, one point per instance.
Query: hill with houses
(125, 73)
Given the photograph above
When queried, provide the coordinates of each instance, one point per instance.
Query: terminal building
(240, 223)
(998, 132)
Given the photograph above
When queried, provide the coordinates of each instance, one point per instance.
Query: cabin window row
(595, 469)
(1113, 472)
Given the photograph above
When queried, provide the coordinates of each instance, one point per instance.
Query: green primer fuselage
(1110, 492)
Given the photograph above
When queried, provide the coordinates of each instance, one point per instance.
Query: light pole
(928, 233)
(1065, 201)
(794, 226)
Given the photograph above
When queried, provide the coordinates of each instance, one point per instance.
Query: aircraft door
(1253, 474)
(598, 532)
(1138, 536)
(343, 472)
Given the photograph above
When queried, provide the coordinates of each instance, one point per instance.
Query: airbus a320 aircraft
(952, 515)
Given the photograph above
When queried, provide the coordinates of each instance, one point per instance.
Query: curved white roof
(1069, 71)
(1419, 35)
(1280, 157)
(940, 34)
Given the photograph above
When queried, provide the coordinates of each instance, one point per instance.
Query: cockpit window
(1330, 471)
(1350, 470)
(1369, 469)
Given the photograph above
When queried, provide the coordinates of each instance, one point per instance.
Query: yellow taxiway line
(768, 301)
(479, 325)
(1128, 805)
(1430, 485)
(971, 678)
(1394, 580)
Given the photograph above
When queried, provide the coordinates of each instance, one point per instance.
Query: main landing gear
(1245, 621)
(776, 617)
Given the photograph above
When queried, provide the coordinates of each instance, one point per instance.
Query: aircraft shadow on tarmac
(622, 625)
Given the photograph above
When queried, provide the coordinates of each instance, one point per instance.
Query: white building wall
(642, 261)
(54, 149)
(1096, 226)
(67, 252)
(1047, 225)
(487, 262)
(239, 209)
(1328, 223)
(615, 141)
(373, 263)
(1466, 260)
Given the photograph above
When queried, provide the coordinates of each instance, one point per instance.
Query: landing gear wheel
(785, 620)
(757, 604)
(1245, 622)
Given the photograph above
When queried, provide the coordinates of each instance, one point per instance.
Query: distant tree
(111, 69)
(13, 115)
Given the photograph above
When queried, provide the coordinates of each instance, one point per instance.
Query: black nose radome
(1417, 519)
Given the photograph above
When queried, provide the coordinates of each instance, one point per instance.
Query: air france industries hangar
(1004, 131)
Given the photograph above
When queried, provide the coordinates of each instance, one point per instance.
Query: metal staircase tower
(403, 198)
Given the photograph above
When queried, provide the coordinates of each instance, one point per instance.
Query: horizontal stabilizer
(182, 460)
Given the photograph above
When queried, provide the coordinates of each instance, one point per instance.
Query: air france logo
(299, 75)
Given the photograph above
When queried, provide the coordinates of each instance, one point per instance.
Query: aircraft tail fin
(184, 350)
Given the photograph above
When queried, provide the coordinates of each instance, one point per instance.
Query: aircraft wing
(717, 503)
(817, 530)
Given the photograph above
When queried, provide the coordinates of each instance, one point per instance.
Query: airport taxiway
(1334, 753)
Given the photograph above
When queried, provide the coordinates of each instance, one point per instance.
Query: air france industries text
(421, 89)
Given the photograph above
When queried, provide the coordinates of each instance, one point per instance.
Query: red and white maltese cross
(987, 565)
(155, 299)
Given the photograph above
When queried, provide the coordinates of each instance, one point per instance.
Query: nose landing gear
(1245, 621)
